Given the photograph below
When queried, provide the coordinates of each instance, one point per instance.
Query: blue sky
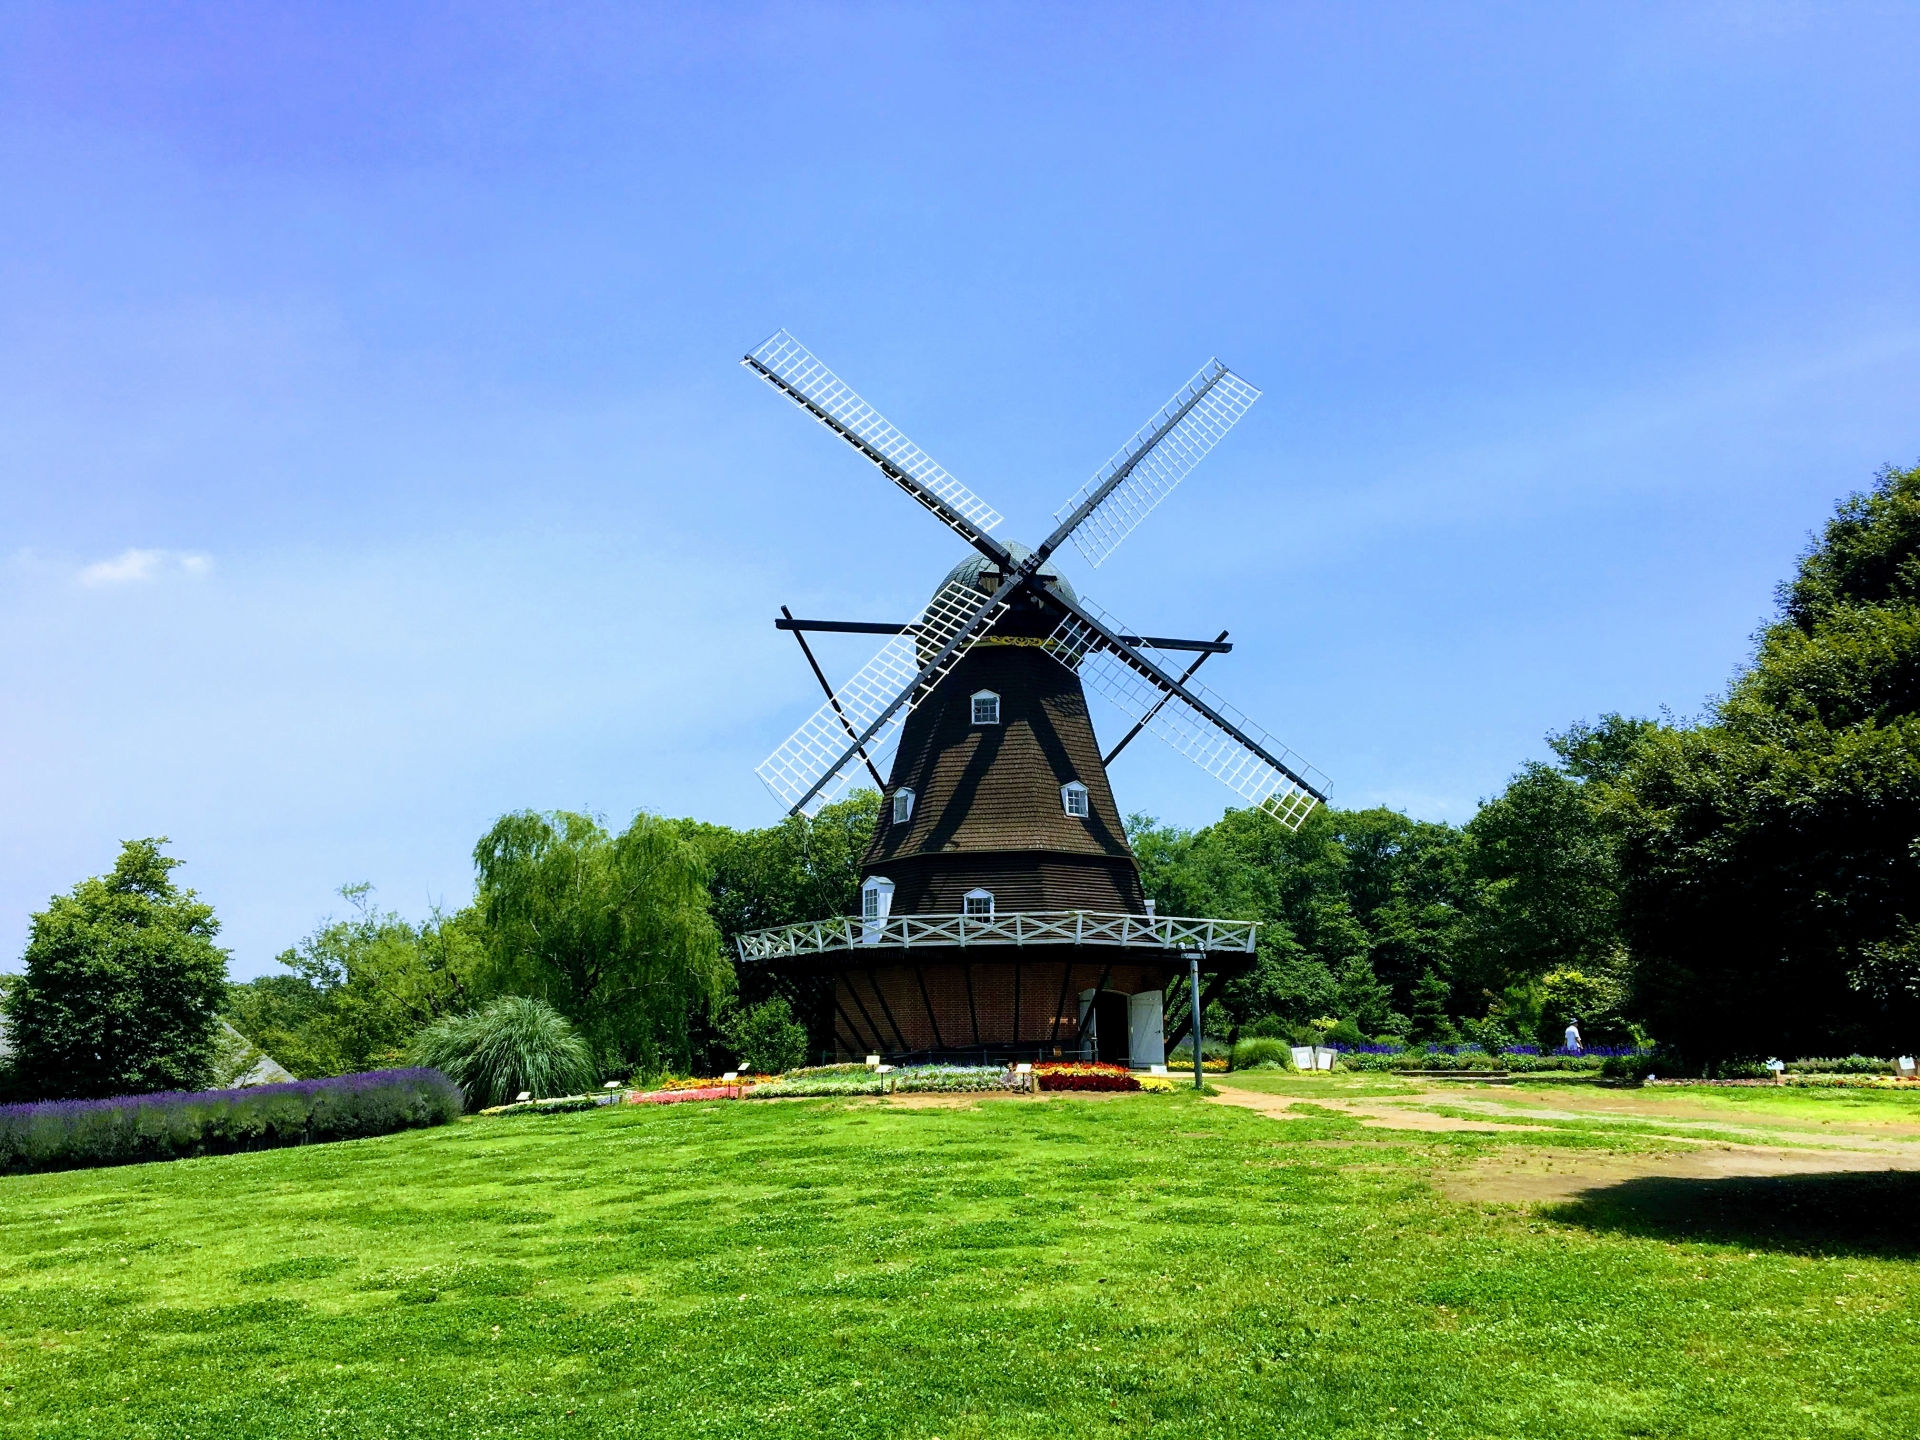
(376, 459)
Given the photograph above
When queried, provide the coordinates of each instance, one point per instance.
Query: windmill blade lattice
(1158, 458)
(787, 365)
(817, 761)
(1165, 714)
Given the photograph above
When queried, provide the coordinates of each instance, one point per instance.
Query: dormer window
(876, 898)
(986, 708)
(979, 902)
(1073, 798)
(902, 805)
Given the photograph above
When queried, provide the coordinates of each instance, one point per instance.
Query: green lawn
(1135, 1265)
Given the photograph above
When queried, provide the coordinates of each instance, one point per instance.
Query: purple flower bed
(72, 1134)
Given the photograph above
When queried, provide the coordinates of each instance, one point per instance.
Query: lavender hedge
(73, 1134)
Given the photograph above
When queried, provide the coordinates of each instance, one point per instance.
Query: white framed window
(979, 902)
(876, 898)
(902, 805)
(1073, 798)
(986, 708)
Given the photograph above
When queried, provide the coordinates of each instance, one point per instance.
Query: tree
(1543, 886)
(612, 931)
(1360, 997)
(122, 986)
(361, 988)
(1768, 859)
(801, 869)
(1431, 1001)
(1370, 885)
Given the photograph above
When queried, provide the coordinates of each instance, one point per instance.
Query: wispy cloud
(131, 567)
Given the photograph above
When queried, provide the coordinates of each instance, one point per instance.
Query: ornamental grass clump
(1261, 1052)
(129, 1129)
(513, 1044)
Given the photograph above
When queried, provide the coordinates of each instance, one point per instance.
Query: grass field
(1129, 1265)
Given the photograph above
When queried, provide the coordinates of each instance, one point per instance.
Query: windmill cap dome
(969, 570)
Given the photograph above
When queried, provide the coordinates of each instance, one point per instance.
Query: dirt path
(1535, 1173)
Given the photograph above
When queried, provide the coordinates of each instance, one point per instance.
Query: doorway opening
(1110, 1026)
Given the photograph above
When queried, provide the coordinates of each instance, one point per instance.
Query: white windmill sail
(1157, 458)
(1285, 791)
(815, 764)
(787, 365)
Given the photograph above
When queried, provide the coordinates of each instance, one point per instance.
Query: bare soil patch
(1546, 1175)
(1372, 1113)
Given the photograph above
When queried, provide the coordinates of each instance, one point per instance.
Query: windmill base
(975, 1006)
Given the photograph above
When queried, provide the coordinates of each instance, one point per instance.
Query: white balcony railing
(1033, 927)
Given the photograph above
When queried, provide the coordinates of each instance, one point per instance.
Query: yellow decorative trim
(1035, 641)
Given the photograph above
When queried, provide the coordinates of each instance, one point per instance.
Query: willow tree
(612, 930)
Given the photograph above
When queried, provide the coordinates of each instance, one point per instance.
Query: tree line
(1741, 884)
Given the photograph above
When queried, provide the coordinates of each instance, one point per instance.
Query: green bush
(767, 1037)
(1345, 1033)
(514, 1044)
(1261, 1050)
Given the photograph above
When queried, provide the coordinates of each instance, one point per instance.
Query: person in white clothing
(1573, 1036)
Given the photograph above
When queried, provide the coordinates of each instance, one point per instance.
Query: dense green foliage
(361, 988)
(130, 1130)
(800, 869)
(612, 930)
(122, 986)
(1770, 857)
(1391, 925)
(512, 1045)
(767, 1037)
(1145, 1266)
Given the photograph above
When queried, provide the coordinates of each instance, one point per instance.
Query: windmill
(999, 862)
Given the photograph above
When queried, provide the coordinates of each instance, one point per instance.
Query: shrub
(514, 1044)
(1346, 1033)
(1841, 1065)
(1262, 1050)
(72, 1134)
(767, 1037)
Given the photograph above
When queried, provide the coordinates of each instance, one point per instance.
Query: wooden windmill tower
(1002, 914)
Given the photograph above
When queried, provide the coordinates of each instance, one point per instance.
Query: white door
(1148, 1036)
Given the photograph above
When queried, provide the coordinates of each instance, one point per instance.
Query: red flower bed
(1083, 1075)
(673, 1097)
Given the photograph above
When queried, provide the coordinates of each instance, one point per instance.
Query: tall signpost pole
(1193, 977)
